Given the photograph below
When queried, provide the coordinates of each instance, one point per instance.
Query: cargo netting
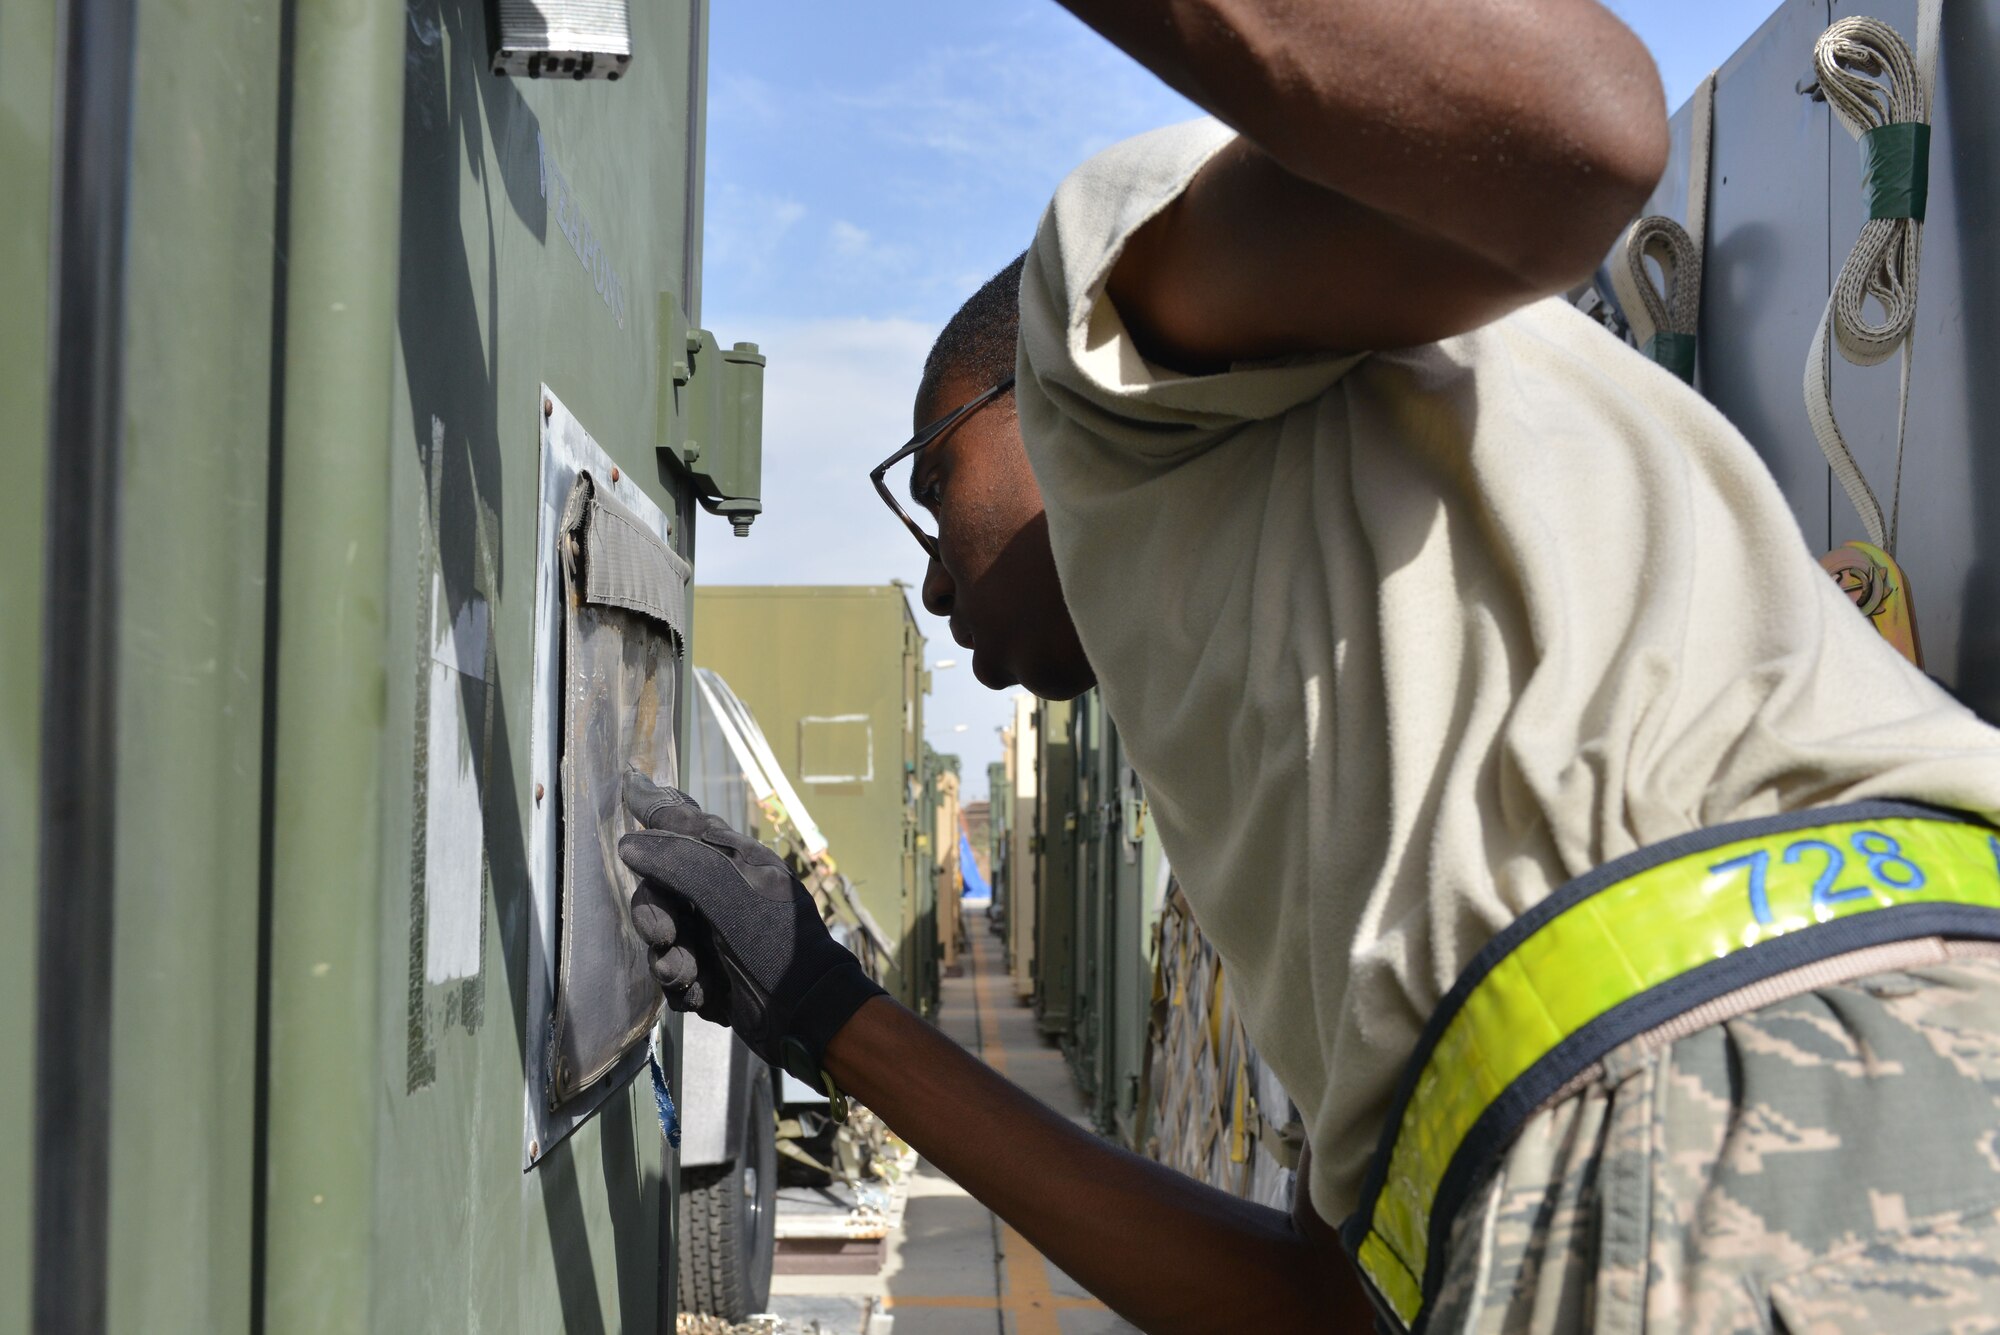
(1212, 1108)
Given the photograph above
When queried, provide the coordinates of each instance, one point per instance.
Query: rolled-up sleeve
(1079, 368)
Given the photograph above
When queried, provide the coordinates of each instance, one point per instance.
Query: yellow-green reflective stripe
(1627, 939)
(1403, 1291)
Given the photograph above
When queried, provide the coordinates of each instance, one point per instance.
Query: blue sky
(868, 166)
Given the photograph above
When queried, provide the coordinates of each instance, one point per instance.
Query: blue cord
(670, 1119)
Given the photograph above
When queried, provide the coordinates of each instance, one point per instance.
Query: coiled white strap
(1870, 79)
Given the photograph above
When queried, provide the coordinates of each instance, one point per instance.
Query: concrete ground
(953, 1268)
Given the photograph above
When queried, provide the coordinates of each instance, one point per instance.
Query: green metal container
(29, 152)
(999, 818)
(999, 849)
(1023, 858)
(1055, 871)
(1131, 857)
(937, 844)
(1095, 910)
(285, 1045)
(836, 676)
(1115, 871)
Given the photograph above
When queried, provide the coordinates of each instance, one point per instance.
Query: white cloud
(734, 94)
(744, 228)
(925, 156)
(865, 258)
(849, 239)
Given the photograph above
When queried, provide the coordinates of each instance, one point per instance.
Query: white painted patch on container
(463, 646)
(1312, 716)
(825, 738)
(461, 643)
(454, 842)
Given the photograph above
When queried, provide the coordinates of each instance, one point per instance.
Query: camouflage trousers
(1823, 1165)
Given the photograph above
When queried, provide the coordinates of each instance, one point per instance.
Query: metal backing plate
(567, 449)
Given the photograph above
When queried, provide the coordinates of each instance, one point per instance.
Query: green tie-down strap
(1673, 351)
(1896, 169)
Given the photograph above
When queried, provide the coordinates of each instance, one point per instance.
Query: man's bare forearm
(1415, 108)
(1166, 1252)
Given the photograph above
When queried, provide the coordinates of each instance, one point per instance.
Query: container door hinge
(712, 416)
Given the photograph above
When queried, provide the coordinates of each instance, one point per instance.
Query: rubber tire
(726, 1234)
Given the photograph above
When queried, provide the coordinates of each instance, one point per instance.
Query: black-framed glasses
(928, 541)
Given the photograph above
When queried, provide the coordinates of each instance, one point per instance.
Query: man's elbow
(1616, 159)
(1628, 153)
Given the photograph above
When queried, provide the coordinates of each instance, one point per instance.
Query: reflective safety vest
(1622, 950)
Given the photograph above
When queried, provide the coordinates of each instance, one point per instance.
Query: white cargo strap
(1870, 79)
(1668, 313)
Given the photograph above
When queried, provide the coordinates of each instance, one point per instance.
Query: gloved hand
(734, 936)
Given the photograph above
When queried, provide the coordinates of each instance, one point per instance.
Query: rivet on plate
(614, 474)
(538, 794)
(548, 408)
(534, 1149)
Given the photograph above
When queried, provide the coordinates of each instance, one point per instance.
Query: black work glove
(734, 936)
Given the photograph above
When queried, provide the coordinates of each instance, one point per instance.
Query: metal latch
(712, 416)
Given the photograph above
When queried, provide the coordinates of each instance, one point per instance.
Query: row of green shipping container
(1102, 945)
(1079, 882)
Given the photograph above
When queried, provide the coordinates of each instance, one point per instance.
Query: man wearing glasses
(1531, 779)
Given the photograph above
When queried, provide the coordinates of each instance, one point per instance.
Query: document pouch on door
(624, 619)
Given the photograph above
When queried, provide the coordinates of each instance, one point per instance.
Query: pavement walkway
(954, 1268)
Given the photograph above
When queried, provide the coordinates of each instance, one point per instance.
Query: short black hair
(979, 341)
